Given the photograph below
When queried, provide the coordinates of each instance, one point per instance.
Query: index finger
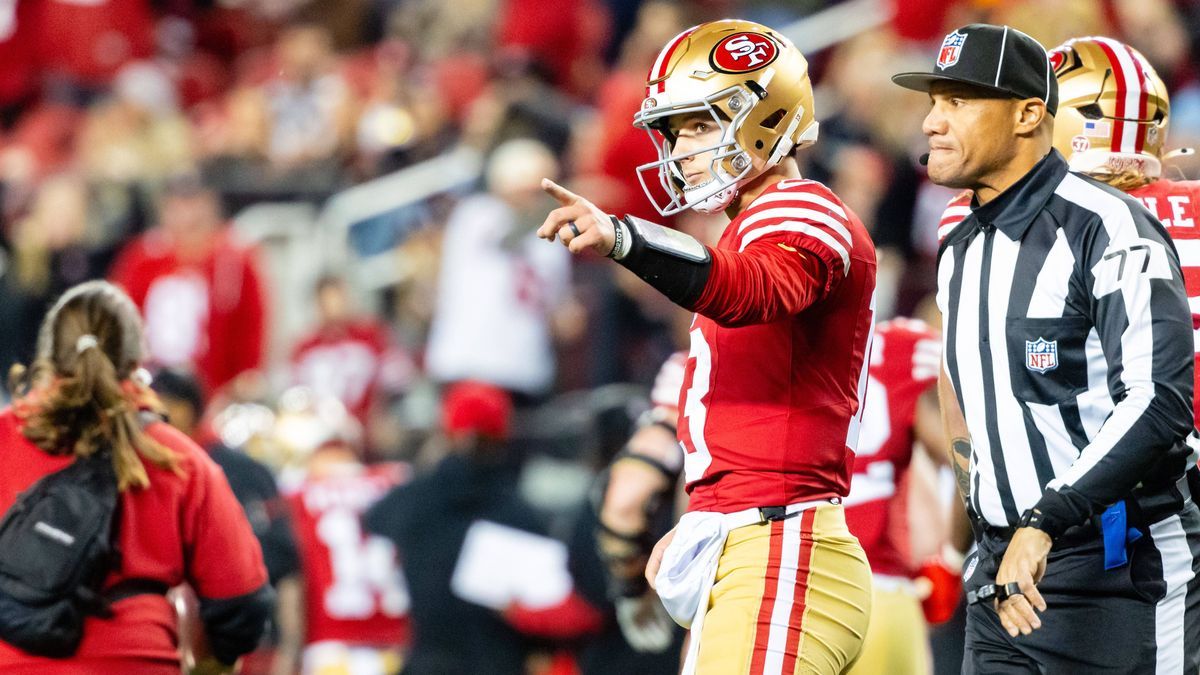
(562, 194)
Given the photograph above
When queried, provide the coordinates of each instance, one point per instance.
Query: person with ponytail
(177, 519)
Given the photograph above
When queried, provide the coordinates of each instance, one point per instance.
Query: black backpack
(56, 549)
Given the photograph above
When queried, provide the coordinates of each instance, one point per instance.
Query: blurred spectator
(609, 149)
(352, 613)
(199, 289)
(482, 576)
(18, 66)
(404, 116)
(303, 113)
(51, 252)
(137, 134)
(349, 355)
(182, 400)
(567, 38)
(499, 287)
(82, 45)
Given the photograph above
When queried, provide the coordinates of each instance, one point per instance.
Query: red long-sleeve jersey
(353, 587)
(905, 358)
(775, 378)
(1177, 205)
(210, 313)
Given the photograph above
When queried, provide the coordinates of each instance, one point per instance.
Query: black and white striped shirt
(1068, 340)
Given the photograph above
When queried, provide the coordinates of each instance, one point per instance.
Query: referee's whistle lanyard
(1114, 531)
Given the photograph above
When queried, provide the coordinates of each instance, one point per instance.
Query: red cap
(476, 408)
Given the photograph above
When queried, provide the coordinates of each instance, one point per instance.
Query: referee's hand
(1024, 563)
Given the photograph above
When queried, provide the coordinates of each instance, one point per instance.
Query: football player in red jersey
(762, 566)
(353, 613)
(901, 407)
(1112, 126)
(636, 504)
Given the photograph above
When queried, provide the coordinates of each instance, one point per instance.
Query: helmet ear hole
(771, 121)
(1091, 111)
(758, 145)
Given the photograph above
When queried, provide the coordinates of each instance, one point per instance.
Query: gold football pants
(790, 597)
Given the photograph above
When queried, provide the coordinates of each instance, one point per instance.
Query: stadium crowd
(201, 155)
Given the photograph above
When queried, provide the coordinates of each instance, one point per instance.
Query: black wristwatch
(1033, 518)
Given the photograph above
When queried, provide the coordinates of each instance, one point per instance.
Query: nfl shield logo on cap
(951, 50)
(1041, 355)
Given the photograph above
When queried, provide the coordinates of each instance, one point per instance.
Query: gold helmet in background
(1112, 113)
(755, 85)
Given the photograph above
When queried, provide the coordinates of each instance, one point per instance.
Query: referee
(1068, 367)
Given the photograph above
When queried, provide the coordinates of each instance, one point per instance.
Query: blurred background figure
(901, 435)
(636, 503)
(349, 355)
(54, 247)
(499, 288)
(199, 289)
(253, 485)
(483, 577)
(350, 614)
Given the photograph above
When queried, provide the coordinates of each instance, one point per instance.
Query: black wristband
(1057, 511)
(679, 275)
(618, 237)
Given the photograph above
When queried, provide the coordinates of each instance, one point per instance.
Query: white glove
(645, 623)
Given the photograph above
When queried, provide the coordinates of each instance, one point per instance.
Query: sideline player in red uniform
(638, 501)
(355, 603)
(901, 407)
(762, 566)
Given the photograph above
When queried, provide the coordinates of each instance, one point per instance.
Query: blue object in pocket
(1114, 527)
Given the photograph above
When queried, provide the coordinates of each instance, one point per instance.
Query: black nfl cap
(997, 58)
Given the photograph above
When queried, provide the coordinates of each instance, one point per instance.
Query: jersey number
(697, 458)
(366, 576)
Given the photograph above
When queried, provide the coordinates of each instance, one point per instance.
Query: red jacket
(185, 527)
(210, 313)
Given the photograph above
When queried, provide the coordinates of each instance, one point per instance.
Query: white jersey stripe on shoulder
(792, 196)
(956, 212)
(802, 228)
(944, 230)
(800, 215)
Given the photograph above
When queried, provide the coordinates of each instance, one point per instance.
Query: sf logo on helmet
(743, 52)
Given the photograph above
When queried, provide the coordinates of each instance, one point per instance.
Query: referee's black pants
(1143, 617)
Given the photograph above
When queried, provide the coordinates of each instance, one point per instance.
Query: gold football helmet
(755, 85)
(1113, 110)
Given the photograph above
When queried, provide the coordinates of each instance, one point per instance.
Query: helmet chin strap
(693, 197)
